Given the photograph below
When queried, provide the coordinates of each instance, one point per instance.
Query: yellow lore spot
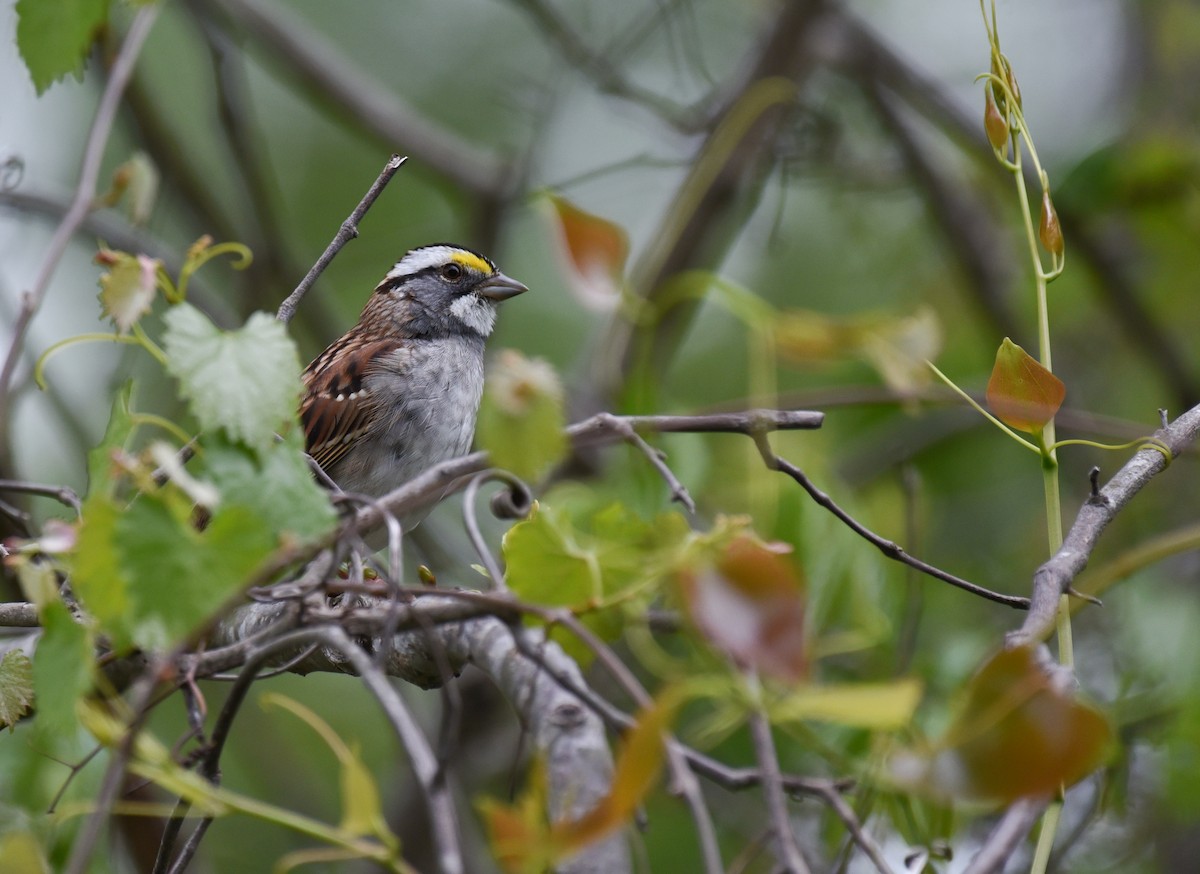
(473, 262)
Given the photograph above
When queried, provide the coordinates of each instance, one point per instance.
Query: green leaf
(521, 417)
(275, 483)
(54, 36)
(246, 382)
(22, 853)
(553, 564)
(127, 290)
(62, 671)
(877, 706)
(178, 577)
(120, 426)
(547, 566)
(96, 572)
(16, 688)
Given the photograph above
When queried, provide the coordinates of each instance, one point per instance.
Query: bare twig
(890, 549)
(787, 851)
(1054, 577)
(1004, 838)
(81, 201)
(18, 614)
(347, 232)
(62, 494)
(471, 521)
(858, 834)
(430, 778)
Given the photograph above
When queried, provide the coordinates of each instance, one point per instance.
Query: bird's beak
(499, 287)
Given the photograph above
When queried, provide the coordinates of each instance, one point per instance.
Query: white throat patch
(476, 313)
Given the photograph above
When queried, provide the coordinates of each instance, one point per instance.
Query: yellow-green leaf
(22, 854)
(876, 706)
(127, 289)
(521, 418)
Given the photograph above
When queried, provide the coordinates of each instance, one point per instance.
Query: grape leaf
(16, 686)
(275, 483)
(54, 36)
(245, 382)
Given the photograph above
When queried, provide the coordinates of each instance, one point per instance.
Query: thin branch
(627, 431)
(859, 834)
(347, 232)
(441, 480)
(471, 520)
(604, 69)
(62, 494)
(18, 614)
(442, 813)
(1054, 578)
(81, 200)
(890, 549)
(1003, 840)
(786, 849)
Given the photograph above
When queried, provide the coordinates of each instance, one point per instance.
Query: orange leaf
(1020, 733)
(750, 605)
(596, 249)
(518, 833)
(636, 772)
(1021, 392)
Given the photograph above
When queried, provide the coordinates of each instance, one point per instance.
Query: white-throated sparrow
(399, 392)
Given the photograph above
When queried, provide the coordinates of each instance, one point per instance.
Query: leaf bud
(993, 122)
(1049, 230)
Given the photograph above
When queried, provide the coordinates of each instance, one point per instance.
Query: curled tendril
(514, 502)
(242, 257)
(12, 171)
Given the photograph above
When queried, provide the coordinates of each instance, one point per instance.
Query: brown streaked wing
(336, 409)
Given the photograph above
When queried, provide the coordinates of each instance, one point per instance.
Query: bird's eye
(452, 272)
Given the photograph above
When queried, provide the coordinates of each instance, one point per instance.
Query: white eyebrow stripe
(422, 259)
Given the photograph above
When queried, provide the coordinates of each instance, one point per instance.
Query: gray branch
(566, 734)
(1054, 578)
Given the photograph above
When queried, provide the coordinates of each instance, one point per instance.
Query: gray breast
(428, 398)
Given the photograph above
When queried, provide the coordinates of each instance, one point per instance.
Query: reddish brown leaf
(1049, 230)
(994, 123)
(1021, 392)
(596, 250)
(1021, 732)
(749, 604)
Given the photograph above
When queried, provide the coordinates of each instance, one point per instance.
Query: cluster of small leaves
(161, 546)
